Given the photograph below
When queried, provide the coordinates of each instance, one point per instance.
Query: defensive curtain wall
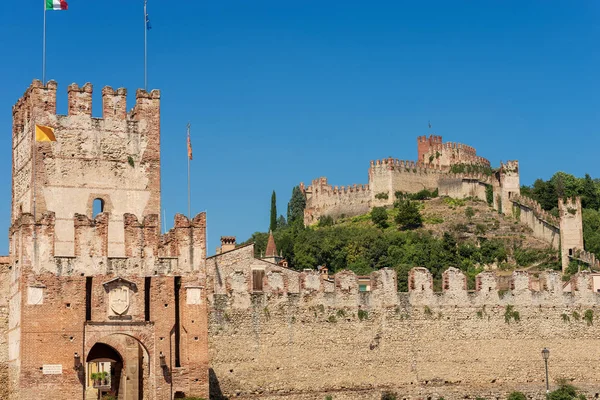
(307, 335)
(386, 177)
(432, 170)
(86, 286)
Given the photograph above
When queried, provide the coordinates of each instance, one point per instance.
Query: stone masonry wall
(386, 177)
(4, 296)
(571, 228)
(334, 340)
(115, 158)
(543, 225)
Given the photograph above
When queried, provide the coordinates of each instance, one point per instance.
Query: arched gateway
(117, 365)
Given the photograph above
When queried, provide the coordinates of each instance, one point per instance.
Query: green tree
(590, 198)
(379, 217)
(273, 222)
(408, 216)
(591, 230)
(296, 205)
(281, 223)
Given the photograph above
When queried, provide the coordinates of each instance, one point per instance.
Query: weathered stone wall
(571, 228)
(353, 345)
(459, 186)
(324, 200)
(543, 225)
(432, 151)
(115, 158)
(386, 177)
(4, 296)
(506, 184)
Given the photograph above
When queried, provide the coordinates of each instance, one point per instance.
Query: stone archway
(129, 363)
(104, 367)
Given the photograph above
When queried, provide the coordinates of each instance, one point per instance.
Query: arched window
(97, 207)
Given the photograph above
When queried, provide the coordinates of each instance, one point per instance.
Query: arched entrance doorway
(103, 372)
(117, 367)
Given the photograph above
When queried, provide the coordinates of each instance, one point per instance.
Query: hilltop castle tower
(100, 301)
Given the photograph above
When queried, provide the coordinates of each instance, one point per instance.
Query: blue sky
(280, 92)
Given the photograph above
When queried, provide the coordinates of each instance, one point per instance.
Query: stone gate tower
(100, 301)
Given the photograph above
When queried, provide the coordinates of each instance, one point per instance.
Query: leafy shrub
(362, 315)
(469, 213)
(381, 196)
(576, 316)
(325, 220)
(379, 217)
(480, 229)
(588, 315)
(510, 313)
(489, 195)
(388, 396)
(516, 396)
(565, 392)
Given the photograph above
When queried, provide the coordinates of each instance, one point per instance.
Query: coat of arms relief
(120, 292)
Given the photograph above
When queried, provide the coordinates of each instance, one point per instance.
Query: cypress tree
(273, 223)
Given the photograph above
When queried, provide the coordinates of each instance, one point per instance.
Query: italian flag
(56, 5)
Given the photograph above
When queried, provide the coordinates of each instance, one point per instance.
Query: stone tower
(94, 285)
(506, 185)
(571, 229)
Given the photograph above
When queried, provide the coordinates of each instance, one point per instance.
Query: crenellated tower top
(109, 164)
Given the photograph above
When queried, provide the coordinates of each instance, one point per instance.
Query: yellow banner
(44, 134)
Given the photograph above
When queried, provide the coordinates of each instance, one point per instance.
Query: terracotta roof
(271, 250)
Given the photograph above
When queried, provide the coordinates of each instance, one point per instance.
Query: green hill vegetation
(434, 232)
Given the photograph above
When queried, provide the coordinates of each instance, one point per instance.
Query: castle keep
(99, 301)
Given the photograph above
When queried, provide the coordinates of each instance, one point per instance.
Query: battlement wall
(182, 250)
(431, 150)
(119, 153)
(419, 344)
(342, 289)
(323, 199)
(386, 177)
(544, 225)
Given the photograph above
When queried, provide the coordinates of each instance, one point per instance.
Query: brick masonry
(75, 279)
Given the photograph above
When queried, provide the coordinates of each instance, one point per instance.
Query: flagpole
(33, 186)
(44, 49)
(189, 192)
(145, 45)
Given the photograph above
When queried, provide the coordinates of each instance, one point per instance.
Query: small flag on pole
(189, 145)
(56, 5)
(44, 134)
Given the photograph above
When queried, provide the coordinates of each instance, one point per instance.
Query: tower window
(97, 207)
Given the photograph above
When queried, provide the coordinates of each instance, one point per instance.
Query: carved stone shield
(119, 299)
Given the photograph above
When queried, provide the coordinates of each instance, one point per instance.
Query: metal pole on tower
(188, 162)
(145, 45)
(44, 49)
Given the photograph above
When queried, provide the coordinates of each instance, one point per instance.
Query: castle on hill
(453, 169)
